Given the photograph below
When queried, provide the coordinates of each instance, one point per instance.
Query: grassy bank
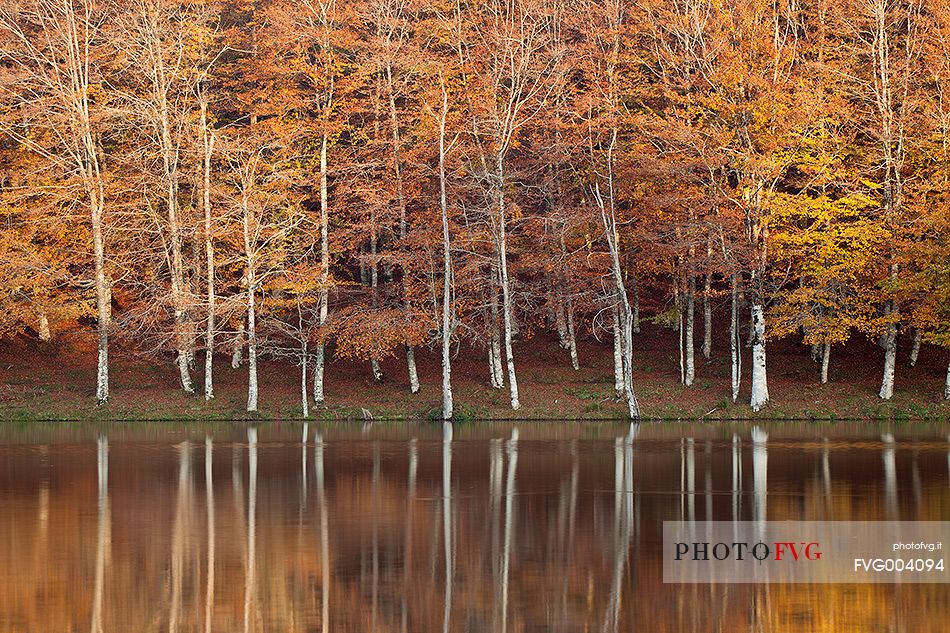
(51, 382)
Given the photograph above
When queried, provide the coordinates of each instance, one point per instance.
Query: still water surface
(496, 528)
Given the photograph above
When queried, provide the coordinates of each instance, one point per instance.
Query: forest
(211, 182)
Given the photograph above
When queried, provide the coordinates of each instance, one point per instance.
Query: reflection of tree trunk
(760, 463)
(736, 478)
(890, 476)
(103, 532)
(407, 545)
(178, 533)
(447, 521)
(324, 535)
(571, 520)
(496, 475)
(250, 579)
(209, 498)
(374, 496)
(509, 525)
(623, 525)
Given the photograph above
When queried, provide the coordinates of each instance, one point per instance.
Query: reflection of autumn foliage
(386, 520)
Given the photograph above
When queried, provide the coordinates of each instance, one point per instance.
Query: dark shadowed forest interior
(584, 208)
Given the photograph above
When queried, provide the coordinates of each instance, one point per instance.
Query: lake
(423, 528)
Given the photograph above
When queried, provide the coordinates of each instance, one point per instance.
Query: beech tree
(50, 76)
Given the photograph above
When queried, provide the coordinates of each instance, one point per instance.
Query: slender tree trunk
(103, 299)
(251, 347)
(177, 284)
(734, 338)
(304, 396)
(618, 353)
(374, 285)
(250, 273)
(505, 285)
(401, 200)
(568, 303)
(447, 278)
(825, 358)
(636, 302)
(208, 143)
(946, 386)
(42, 327)
(707, 305)
(494, 349)
(237, 352)
(571, 337)
(760, 387)
(690, 375)
(890, 359)
(320, 359)
(560, 320)
(915, 350)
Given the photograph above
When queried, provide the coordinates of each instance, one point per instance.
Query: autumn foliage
(358, 178)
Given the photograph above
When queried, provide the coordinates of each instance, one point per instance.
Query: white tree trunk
(559, 318)
(497, 377)
(318, 364)
(377, 370)
(734, 340)
(411, 368)
(43, 327)
(690, 374)
(571, 337)
(401, 200)
(825, 358)
(237, 352)
(304, 396)
(915, 350)
(890, 359)
(320, 359)
(707, 303)
(103, 306)
(251, 346)
(208, 143)
(618, 354)
(707, 316)
(636, 304)
(760, 387)
(506, 299)
(946, 386)
(448, 408)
